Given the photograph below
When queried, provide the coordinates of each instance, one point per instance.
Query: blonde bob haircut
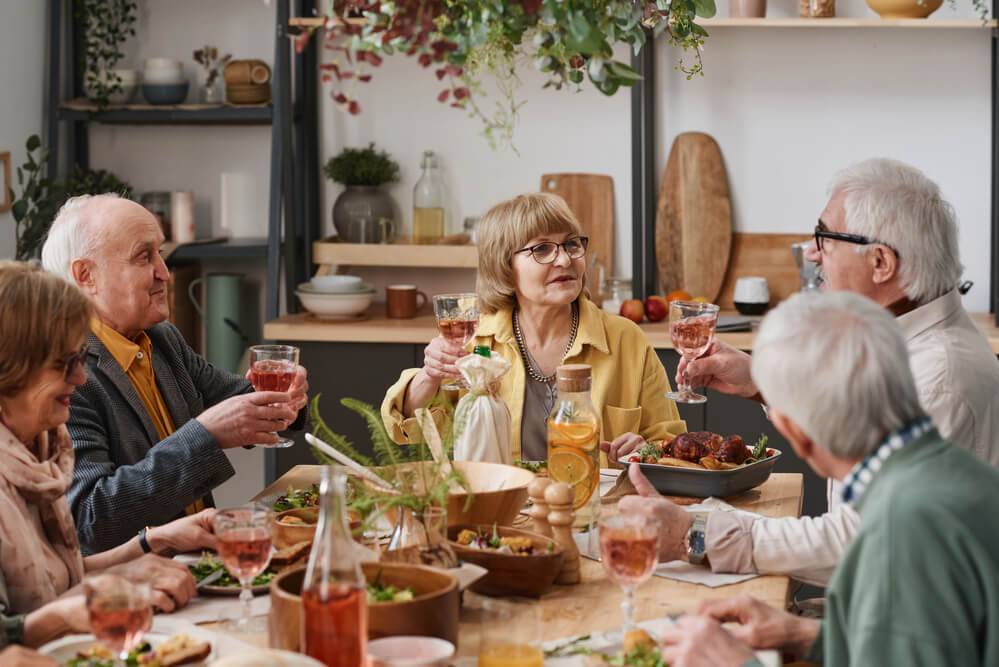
(506, 228)
(41, 318)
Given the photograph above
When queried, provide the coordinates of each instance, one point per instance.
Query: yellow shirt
(629, 382)
(136, 359)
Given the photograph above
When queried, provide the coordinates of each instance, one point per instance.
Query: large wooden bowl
(285, 535)
(510, 574)
(432, 613)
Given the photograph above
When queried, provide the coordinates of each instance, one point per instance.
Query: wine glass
(244, 542)
(273, 368)
(457, 320)
(692, 327)
(629, 550)
(120, 612)
(510, 633)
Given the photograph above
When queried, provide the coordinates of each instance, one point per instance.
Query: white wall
(22, 76)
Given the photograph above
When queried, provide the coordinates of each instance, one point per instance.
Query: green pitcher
(224, 343)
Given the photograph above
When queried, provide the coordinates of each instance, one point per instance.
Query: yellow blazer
(629, 382)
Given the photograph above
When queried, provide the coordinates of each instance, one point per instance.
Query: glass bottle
(482, 351)
(428, 202)
(420, 538)
(334, 593)
(618, 291)
(573, 435)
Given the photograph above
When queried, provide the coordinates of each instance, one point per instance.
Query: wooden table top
(377, 328)
(594, 604)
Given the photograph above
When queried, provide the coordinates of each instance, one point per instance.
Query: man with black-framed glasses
(887, 234)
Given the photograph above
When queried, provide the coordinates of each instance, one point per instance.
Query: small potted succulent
(364, 211)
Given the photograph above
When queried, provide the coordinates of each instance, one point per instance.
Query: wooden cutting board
(694, 218)
(767, 255)
(591, 198)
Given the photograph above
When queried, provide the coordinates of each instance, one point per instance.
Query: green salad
(209, 563)
(296, 499)
(99, 656)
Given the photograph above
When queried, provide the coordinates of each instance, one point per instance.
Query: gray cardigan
(125, 476)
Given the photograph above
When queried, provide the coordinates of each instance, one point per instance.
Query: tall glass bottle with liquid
(334, 595)
(573, 438)
(428, 202)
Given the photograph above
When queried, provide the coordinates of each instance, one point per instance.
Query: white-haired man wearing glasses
(887, 234)
(919, 584)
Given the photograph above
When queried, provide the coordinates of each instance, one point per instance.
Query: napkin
(208, 609)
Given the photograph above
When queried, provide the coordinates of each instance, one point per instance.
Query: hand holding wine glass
(692, 328)
(457, 320)
(274, 368)
(244, 542)
(120, 612)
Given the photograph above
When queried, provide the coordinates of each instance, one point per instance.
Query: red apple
(656, 308)
(632, 309)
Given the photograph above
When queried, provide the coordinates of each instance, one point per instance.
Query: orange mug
(402, 301)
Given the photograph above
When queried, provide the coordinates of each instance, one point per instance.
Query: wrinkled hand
(298, 392)
(673, 521)
(191, 533)
(722, 368)
(695, 641)
(622, 445)
(763, 626)
(439, 358)
(19, 656)
(72, 609)
(249, 419)
(172, 584)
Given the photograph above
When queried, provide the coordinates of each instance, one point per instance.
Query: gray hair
(898, 205)
(837, 365)
(74, 234)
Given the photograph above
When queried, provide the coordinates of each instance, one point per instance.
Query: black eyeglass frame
(819, 233)
(74, 361)
(583, 241)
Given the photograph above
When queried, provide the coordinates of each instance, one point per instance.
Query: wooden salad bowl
(285, 535)
(511, 574)
(433, 612)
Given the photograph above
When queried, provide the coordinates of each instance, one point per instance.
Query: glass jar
(618, 291)
(428, 202)
(573, 439)
(420, 538)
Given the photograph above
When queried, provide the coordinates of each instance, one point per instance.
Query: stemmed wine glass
(457, 320)
(120, 612)
(273, 368)
(692, 327)
(629, 550)
(244, 542)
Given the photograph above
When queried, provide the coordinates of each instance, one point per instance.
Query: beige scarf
(36, 477)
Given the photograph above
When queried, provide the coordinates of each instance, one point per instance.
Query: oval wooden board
(591, 198)
(694, 218)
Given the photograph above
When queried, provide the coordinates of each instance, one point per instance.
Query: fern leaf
(337, 441)
(387, 452)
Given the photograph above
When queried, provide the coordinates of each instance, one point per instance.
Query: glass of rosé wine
(629, 550)
(244, 544)
(120, 612)
(273, 368)
(457, 320)
(692, 328)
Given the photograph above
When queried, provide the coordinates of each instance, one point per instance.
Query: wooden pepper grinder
(539, 509)
(559, 497)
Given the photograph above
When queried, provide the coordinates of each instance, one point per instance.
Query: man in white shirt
(888, 234)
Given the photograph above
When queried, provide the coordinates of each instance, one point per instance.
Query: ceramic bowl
(511, 574)
(163, 78)
(158, 94)
(432, 612)
(410, 651)
(335, 284)
(162, 64)
(335, 306)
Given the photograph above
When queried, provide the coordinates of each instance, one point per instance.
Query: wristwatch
(696, 544)
(143, 542)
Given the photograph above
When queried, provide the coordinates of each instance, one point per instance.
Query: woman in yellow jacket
(535, 313)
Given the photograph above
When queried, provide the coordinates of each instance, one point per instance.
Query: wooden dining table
(594, 604)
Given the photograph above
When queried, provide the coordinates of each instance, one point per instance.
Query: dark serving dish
(678, 481)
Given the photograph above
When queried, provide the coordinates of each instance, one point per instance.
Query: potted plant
(364, 211)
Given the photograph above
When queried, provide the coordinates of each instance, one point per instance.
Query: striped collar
(860, 477)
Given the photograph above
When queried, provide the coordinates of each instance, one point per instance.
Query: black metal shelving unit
(644, 185)
(293, 221)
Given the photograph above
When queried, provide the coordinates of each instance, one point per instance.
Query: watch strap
(696, 539)
(143, 542)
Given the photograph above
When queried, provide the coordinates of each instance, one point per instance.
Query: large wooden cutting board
(766, 255)
(694, 218)
(591, 198)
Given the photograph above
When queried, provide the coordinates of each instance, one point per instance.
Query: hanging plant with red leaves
(462, 43)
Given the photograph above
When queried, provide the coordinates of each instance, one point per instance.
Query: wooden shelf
(319, 21)
(180, 114)
(396, 254)
(947, 24)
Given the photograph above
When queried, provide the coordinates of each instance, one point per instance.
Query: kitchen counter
(377, 328)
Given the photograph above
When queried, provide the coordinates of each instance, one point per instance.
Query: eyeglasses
(547, 252)
(822, 232)
(74, 361)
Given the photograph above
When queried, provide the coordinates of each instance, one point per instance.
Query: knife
(211, 578)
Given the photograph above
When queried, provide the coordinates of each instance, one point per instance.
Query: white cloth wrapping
(482, 419)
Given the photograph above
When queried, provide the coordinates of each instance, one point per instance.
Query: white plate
(268, 658)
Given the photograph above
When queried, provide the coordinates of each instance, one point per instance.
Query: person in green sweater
(920, 583)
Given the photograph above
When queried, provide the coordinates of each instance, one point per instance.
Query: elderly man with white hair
(887, 234)
(151, 424)
(919, 585)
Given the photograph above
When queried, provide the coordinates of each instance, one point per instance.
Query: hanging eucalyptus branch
(107, 25)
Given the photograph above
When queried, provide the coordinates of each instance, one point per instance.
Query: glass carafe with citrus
(573, 436)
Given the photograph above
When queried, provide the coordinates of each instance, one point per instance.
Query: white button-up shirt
(957, 378)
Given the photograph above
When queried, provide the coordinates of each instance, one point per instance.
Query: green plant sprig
(108, 24)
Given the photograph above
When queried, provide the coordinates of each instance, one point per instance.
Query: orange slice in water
(575, 469)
